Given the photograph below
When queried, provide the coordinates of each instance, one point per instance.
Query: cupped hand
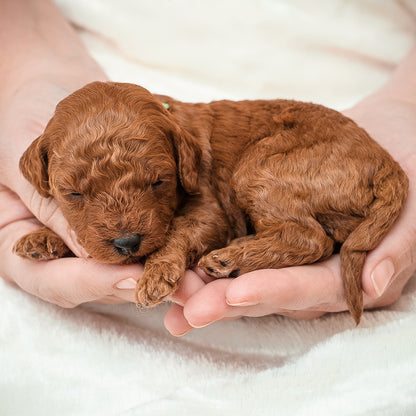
(30, 105)
(309, 291)
(43, 61)
(66, 282)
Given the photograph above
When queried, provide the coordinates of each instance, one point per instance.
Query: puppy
(230, 186)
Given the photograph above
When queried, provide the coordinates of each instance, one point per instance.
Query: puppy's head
(117, 164)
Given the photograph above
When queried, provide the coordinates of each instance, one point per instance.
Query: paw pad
(219, 263)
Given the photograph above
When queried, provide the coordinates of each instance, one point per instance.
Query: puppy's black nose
(127, 245)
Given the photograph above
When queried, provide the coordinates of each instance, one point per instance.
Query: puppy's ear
(34, 165)
(190, 161)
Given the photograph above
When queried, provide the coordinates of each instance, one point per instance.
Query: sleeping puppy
(230, 186)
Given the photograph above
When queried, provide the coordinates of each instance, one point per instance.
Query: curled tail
(390, 192)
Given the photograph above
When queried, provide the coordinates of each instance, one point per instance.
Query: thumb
(48, 213)
(395, 255)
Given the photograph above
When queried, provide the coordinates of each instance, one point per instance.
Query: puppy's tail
(390, 192)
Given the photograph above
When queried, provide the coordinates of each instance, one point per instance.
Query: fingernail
(176, 301)
(241, 303)
(199, 326)
(382, 276)
(129, 283)
(180, 334)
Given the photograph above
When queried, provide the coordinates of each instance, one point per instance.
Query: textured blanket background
(114, 360)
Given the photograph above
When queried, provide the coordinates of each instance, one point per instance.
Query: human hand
(66, 282)
(44, 61)
(309, 291)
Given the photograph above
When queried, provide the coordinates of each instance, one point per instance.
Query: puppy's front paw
(220, 263)
(42, 244)
(159, 281)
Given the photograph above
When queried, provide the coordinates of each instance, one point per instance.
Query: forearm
(389, 113)
(36, 39)
(402, 84)
(42, 62)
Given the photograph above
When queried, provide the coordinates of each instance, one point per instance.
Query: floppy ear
(34, 165)
(190, 161)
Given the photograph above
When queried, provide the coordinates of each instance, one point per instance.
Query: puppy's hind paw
(219, 263)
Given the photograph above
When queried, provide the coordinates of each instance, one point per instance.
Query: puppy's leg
(199, 227)
(221, 263)
(287, 244)
(42, 244)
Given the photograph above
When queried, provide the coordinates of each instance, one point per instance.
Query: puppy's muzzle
(127, 245)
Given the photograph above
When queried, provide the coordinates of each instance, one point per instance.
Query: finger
(125, 289)
(109, 300)
(70, 282)
(206, 278)
(208, 305)
(310, 287)
(190, 284)
(67, 282)
(48, 213)
(11, 207)
(120, 284)
(302, 315)
(395, 255)
(175, 321)
(300, 292)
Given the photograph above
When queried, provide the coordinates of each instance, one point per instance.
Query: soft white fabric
(115, 360)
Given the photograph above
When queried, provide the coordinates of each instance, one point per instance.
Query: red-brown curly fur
(237, 186)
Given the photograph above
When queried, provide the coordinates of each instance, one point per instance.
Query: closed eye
(75, 195)
(157, 183)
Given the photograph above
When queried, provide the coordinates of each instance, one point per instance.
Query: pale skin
(307, 292)
(42, 62)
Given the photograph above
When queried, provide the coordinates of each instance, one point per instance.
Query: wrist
(44, 61)
(390, 119)
(399, 89)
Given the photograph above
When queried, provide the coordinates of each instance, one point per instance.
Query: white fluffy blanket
(114, 360)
